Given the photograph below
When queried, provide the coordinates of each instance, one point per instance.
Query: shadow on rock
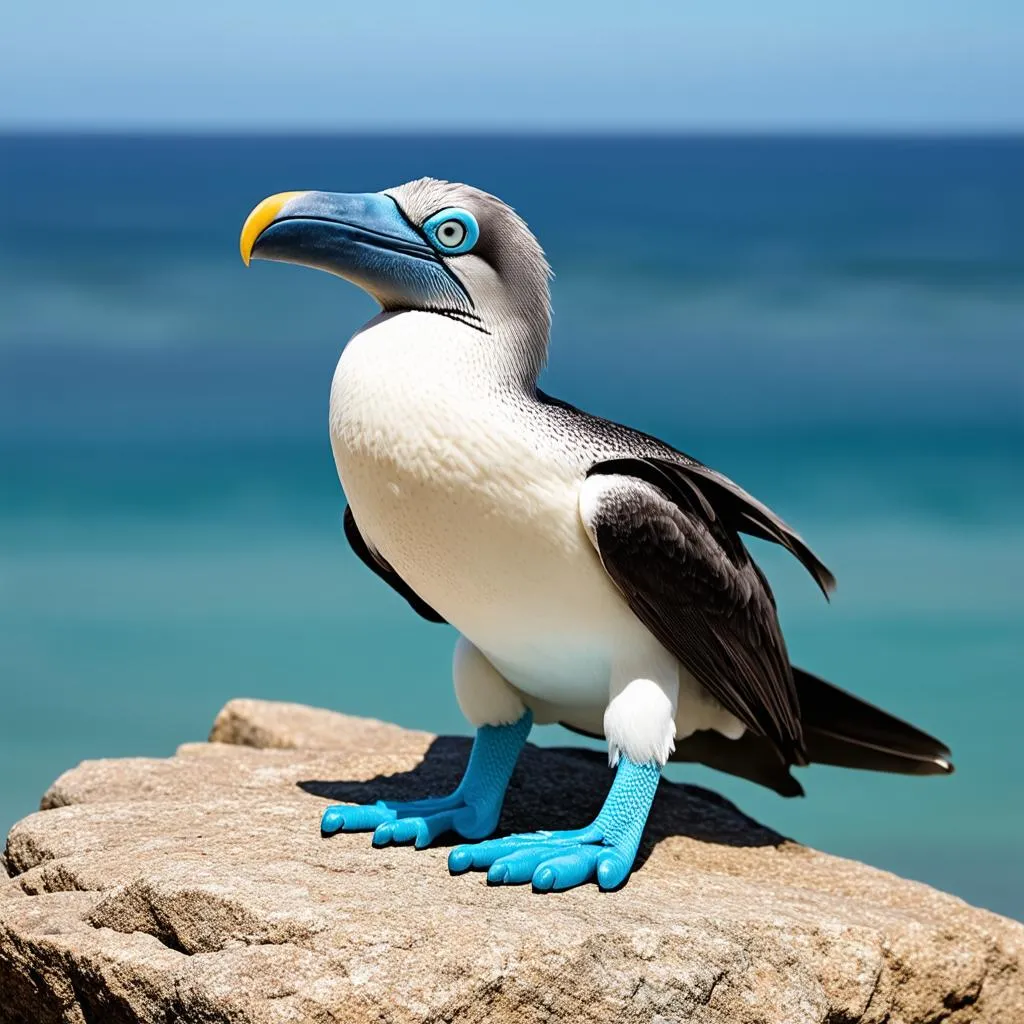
(558, 788)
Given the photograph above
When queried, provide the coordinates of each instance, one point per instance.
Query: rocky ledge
(198, 889)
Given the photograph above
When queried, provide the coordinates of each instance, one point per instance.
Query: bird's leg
(639, 724)
(472, 810)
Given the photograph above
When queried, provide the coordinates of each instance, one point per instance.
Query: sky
(524, 64)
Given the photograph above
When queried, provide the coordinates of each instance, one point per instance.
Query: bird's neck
(465, 353)
(419, 358)
(419, 382)
(519, 349)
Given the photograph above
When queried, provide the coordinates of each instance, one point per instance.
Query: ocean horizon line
(799, 134)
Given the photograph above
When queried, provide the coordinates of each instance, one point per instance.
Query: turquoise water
(836, 324)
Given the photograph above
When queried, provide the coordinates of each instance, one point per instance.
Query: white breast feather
(479, 514)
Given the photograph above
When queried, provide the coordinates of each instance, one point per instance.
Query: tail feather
(841, 729)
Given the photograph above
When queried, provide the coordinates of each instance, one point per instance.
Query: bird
(596, 576)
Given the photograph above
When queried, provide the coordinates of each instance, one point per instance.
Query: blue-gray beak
(361, 237)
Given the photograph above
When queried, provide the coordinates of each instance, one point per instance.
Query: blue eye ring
(444, 234)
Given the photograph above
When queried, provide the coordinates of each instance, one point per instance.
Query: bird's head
(429, 245)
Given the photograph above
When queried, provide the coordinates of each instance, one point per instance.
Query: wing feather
(372, 560)
(649, 458)
(685, 573)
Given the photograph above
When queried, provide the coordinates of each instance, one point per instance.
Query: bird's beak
(363, 238)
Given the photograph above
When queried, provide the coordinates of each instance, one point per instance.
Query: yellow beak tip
(262, 216)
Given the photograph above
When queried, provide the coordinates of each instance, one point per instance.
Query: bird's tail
(844, 730)
(839, 729)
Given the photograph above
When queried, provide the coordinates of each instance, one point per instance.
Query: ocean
(838, 324)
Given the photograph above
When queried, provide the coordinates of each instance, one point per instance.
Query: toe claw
(383, 834)
(353, 818)
(612, 869)
(460, 859)
(497, 874)
(332, 820)
(567, 870)
(404, 830)
(517, 868)
(543, 878)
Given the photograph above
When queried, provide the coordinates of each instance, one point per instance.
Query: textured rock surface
(198, 889)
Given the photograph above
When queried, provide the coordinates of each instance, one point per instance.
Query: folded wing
(372, 560)
(678, 560)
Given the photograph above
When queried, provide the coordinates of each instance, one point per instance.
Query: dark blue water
(838, 324)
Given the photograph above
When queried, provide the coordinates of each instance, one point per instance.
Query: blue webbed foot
(603, 852)
(471, 811)
(550, 860)
(419, 822)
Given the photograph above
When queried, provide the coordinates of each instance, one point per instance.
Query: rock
(264, 723)
(197, 888)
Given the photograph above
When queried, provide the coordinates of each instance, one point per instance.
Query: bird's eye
(453, 231)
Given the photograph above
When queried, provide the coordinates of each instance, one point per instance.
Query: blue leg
(471, 811)
(604, 851)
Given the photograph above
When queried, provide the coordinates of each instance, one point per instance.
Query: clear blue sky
(698, 64)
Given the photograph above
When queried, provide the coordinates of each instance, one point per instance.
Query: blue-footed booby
(596, 575)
